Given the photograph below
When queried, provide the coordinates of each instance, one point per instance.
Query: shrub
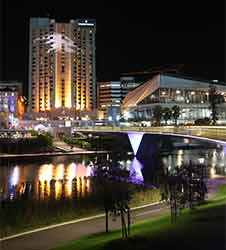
(203, 121)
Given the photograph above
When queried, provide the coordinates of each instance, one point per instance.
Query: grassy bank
(36, 144)
(23, 215)
(201, 228)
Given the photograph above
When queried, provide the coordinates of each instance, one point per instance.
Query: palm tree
(157, 114)
(214, 98)
(167, 114)
(175, 113)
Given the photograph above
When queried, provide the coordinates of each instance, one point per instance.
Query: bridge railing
(212, 132)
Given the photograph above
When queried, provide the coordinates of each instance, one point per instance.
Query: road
(44, 240)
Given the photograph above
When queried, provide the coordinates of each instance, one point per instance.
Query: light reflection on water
(66, 177)
(61, 179)
(49, 180)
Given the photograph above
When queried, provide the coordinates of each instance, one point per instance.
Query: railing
(211, 132)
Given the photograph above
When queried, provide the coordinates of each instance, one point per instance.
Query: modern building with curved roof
(167, 90)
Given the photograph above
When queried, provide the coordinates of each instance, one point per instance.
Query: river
(62, 176)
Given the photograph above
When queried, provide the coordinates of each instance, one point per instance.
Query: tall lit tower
(62, 71)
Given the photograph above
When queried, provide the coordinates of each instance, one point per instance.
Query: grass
(201, 228)
(24, 215)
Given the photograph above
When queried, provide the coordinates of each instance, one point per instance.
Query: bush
(145, 196)
(41, 143)
(203, 121)
(45, 139)
(77, 142)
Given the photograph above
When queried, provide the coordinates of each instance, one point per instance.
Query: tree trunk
(122, 224)
(124, 228)
(128, 220)
(106, 221)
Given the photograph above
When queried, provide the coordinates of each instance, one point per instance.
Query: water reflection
(61, 181)
(135, 171)
(66, 177)
(15, 176)
(48, 180)
(213, 158)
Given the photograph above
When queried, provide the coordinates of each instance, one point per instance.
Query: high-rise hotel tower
(62, 71)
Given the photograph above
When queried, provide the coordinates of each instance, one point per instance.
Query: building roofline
(183, 76)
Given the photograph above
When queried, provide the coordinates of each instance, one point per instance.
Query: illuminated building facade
(62, 71)
(11, 100)
(109, 95)
(167, 90)
(129, 83)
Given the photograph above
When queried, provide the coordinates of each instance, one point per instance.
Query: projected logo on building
(56, 42)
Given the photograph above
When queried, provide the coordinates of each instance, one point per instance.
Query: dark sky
(130, 36)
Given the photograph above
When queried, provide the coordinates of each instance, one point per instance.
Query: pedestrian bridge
(214, 134)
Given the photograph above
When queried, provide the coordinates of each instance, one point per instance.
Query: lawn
(24, 215)
(201, 228)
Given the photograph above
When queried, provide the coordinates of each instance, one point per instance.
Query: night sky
(130, 37)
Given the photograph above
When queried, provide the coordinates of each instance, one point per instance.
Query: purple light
(12, 104)
(224, 149)
(135, 171)
(135, 140)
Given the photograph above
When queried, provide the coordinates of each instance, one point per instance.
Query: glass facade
(192, 96)
(176, 96)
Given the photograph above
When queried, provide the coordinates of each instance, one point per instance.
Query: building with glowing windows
(167, 90)
(11, 98)
(129, 83)
(62, 71)
(109, 96)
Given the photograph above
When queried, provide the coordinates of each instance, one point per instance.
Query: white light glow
(85, 24)
(135, 170)
(15, 176)
(135, 140)
(212, 172)
(201, 160)
(55, 42)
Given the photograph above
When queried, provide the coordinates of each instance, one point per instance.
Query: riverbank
(202, 228)
(78, 152)
(21, 216)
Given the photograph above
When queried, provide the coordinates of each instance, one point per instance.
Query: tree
(203, 121)
(215, 99)
(114, 191)
(123, 191)
(184, 187)
(157, 114)
(4, 120)
(175, 113)
(167, 114)
(103, 189)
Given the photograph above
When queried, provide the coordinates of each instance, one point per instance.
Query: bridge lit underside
(135, 139)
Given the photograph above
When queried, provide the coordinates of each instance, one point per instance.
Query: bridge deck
(208, 133)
